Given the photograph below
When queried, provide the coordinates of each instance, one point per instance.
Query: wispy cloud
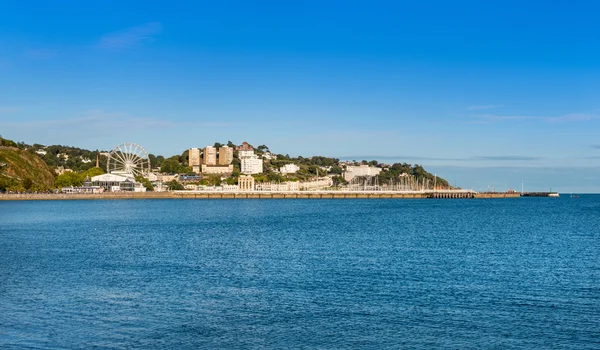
(130, 37)
(98, 120)
(572, 117)
(6, 110)
(490, 118)
(465, 159)
(566, 118)
(42, 53)
(595, 146)
(506, 158)
(92, 120)
(482, 107)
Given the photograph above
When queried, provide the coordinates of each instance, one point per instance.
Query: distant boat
(553, 194)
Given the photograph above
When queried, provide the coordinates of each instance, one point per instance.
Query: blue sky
(482, 93)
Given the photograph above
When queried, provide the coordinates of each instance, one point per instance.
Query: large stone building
(210, 156)
(225, 155)
(353, 171)
(194, 157)
(246, 183)
(251, 165)
(227, 169)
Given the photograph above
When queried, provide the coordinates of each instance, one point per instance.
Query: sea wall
(256, 195)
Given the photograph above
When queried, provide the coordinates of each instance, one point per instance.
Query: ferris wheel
(128, 158)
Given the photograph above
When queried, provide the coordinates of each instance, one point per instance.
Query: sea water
(519, 273)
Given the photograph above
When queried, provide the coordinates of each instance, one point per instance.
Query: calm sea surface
(236, 274)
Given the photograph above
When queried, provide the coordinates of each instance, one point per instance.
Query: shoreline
(256, 195)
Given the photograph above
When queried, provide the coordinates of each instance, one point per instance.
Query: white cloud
(130, 37)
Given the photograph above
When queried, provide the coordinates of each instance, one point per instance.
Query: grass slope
(21, 170)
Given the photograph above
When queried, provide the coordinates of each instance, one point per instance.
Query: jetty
(540, 194)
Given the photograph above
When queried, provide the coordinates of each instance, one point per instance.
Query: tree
(170, 165)
(159, 160)
(145, 182)
(231, 144)
(262, 148)
(69, 179)
(27, 183)
(338, 180)
(153, 162)
(93, 172)
(173, 185)
(185, 157)
(218, 145)
(213, 179)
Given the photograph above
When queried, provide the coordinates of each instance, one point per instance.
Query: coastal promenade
(455, 194)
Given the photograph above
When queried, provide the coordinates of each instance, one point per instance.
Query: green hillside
(21, 170)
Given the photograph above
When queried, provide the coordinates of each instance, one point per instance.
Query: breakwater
(259, 195)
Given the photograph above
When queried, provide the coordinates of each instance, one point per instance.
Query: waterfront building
(217, 169)
(225, 155)
(194, 157)
(167, 177)
(277, 187)
(320, 183)
(353, 171)
(83, 189)
(189, 178)
(230, 188)
(210, 156)
(289, 169)
(251, 165)
(118, 182)
(246, 183)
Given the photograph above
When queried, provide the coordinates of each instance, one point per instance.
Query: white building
(289, 169)
(252, 165)
(41, 152)
(353, 171)
(289, 186)
(116, 182)
(248, 153)
(318, 184)
(230, 188)
(269, 155)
